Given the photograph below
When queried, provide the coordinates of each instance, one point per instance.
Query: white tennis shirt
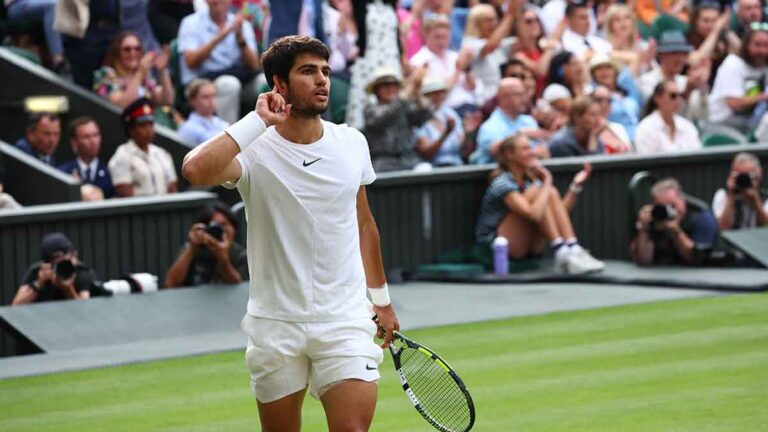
(303, 241)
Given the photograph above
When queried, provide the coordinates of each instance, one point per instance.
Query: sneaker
(562, 257)
(580, 262)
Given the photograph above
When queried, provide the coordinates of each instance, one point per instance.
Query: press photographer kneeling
(669, 232)
(740, 205)
(59, 276)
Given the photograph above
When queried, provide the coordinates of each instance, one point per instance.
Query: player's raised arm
(213, 162)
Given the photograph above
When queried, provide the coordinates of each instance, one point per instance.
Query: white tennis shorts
(284, 357)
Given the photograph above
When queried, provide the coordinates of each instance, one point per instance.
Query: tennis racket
(434, 388)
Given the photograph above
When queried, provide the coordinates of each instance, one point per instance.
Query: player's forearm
(204, 164)
(370, 249)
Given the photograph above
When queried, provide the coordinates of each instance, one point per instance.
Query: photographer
(210, 255)
(740, 204)
(59, 276)
(668, 232)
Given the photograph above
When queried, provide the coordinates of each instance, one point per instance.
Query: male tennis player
(313, 244)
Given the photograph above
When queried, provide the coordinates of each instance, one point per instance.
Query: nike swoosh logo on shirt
(370, 368)
(306, 164)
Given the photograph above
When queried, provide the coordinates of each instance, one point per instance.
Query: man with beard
(313, 244)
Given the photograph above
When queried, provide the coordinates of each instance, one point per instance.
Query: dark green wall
(32, 182)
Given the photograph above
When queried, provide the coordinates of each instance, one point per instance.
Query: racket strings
(438, 394)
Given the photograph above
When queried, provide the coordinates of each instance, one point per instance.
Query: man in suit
(85, 138)
(42, 137)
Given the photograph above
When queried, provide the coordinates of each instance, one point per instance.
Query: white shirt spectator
(652, 135)
(735, 78)
(148, 172)
(553, 12)
(342, 45)
(445, 67)
(487, 69)
(579, 44)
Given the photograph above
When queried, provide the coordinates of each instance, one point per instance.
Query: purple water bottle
(500, 255)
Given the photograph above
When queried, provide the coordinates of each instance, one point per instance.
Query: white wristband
(380, 295)
(246, 130)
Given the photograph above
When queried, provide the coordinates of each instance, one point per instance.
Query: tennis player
(313, 245)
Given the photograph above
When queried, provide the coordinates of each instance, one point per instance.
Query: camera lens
(743, 181)
(64, 269)
(659, 213)
(215, 230)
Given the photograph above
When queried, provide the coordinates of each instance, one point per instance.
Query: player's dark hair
(206, 214)
(279, 58)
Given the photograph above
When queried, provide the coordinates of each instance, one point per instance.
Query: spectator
(203, 123)
(447, 64)
(258, 13)
(673, 51)
(139, 167)
(624, 109)
(487, 45)
(553, 13)
(522, 205)
(669, 231)
(582, 135)
(531, 47)
(85, 139)
(341, 34)
(613, 136)
(566, 69)
(441, 140)
(42, 137)
(44, 11)
(378, 45)
(505, 120)
(6, 200)
(747, 12)
(709, 36)
(628, 47)
(551, 111)
(59, 276)
(290, 17)
(389, 121)
(577, 37)
(104, 20)
(211, 254)
(741, 81)
(662, 129)
(740, 205)
(127, 73)
(219, 45)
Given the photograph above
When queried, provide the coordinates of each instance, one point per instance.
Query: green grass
(691, 365)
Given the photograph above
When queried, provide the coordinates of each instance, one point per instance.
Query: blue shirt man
(198, 129)
(449, 153)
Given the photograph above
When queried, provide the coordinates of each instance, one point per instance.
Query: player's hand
(272, 109)
(387, 321)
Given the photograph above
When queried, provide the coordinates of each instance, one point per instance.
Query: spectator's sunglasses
(758, 26)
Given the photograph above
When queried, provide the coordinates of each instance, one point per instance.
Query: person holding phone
(742, 204)
(211, 254)
(59, 276)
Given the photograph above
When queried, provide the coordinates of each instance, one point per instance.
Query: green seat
(718, 139)
(338, 100)
(174, 64)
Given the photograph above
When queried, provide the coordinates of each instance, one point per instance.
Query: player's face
(309, 85)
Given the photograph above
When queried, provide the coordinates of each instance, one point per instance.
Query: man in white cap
(441, 141)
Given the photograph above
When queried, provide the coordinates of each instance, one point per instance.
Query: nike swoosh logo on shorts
(306, 164)
(370, 368)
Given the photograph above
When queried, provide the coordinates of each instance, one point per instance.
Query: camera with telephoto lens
(743, 182)
(215, 230)
(64, 269)
(663, 212)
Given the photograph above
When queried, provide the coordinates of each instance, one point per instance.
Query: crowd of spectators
(430, 83)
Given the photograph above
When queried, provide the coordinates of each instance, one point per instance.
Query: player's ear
(280, 85)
